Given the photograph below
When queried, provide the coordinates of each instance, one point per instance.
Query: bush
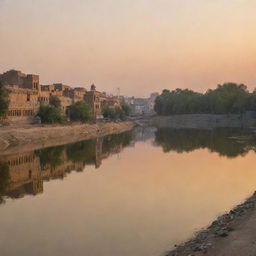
(126, 109)
(79, 111)
(113, 113)
(55, 101)
(4, 99)
(50, 114)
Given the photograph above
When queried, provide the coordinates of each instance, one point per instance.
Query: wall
(206, 121)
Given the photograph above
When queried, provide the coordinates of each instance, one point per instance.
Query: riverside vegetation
(229, 98)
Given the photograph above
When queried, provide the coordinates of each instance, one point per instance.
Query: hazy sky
(138, 45)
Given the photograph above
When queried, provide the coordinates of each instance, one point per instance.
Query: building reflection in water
(24, 174)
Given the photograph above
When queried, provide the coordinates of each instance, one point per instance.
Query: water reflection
(23, 174)
(142, 202)
(226, 142)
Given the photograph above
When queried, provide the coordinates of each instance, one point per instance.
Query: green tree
(4, 99)
(55, 101)
(50, 114)
(79, 111)
(126, 109)
(109, 112)
(225, 99)
(113, 113)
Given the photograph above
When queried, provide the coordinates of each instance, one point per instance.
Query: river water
(134, 194)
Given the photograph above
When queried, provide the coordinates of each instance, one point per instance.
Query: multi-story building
(93, 99)
(142, 106)
(26, 95)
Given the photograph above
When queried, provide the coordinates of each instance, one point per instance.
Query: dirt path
(232, 234)
(17, 139)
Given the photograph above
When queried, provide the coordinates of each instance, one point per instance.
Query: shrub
(79, 111)
(126, 109)
(50, 114)
(113, 113)
(55, 101)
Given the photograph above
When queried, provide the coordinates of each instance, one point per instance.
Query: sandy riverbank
(232, 234)
(16, 139)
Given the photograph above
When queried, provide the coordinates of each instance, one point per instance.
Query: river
(134, 194)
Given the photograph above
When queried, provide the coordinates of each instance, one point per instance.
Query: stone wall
(206, 121)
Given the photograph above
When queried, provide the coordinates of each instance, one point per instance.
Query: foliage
(79, 111)
(126, 109)
(225, 99)
(4, 177)
(50, 114)
(55, 101)
(113, 113)
(4, 99)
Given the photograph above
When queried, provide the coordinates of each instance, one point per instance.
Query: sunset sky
(140, 46)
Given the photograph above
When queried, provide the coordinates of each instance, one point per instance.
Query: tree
(4, 99)
(126, 109)
(109, 112)
(55, 101)
(225, 99)
(50, 114)
(79, 111)
(113, 113)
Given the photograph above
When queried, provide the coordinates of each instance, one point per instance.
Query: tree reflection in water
(24, 173)
(229, 142)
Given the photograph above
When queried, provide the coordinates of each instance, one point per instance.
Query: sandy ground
(15, 139)
(232, 234)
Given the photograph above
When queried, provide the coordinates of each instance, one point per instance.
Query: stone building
(93, 99)
(14, 77)
(26, 96)
(142, 106)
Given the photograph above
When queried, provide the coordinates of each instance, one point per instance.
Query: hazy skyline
(140, 46)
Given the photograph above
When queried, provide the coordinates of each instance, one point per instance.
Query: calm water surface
(134, 194)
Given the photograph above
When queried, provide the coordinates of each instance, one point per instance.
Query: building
(142, 106)
(93, 99)
(26, 172)
(26, 96)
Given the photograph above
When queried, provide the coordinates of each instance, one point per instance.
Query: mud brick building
(26, 96)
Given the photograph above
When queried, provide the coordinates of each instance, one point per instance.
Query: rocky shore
(17, 139)
(232, 234)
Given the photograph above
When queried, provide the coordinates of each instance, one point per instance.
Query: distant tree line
(227, 98)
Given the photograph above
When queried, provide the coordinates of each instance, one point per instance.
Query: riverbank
(231, 234)
(206, 121)
(14, 139)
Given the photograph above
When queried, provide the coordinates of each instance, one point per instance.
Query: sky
(139, 46)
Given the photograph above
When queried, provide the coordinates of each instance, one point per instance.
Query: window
(28, 97)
